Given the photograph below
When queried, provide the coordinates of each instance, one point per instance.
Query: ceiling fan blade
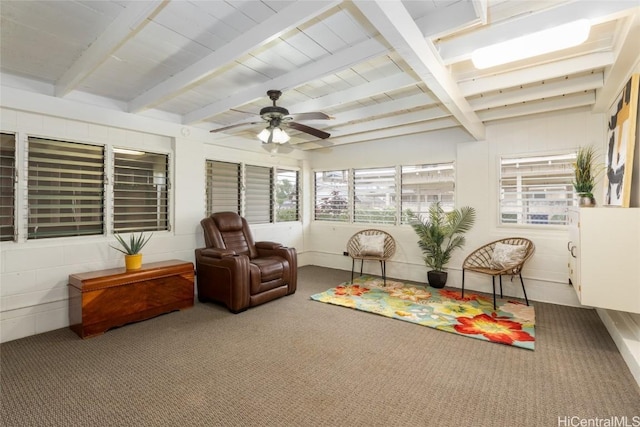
(234, 126)
(310, 116)
(308, 129)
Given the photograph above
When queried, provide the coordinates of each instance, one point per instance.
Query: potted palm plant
(440, 233)
(131, 249)
(585, 175)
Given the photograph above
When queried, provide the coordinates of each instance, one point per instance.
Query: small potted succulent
(439, 234)
(131, 249)
(585, 175)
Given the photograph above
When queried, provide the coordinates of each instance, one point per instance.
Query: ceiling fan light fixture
(279, 136)
(264, 135)
(534, 44)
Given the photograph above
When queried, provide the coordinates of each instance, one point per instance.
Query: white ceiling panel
(379, 68)
(192, 23)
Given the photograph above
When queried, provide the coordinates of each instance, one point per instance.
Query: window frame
(209, 190)
(427, 168)
(51, 167)
(9, 188)
(565, 157)
(349, 187)
(258, 199)
(342, 214)
(280, 213)
(161, 184)
(380, 175)
(247, 184)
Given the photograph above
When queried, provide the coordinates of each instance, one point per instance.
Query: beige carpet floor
(298, 362)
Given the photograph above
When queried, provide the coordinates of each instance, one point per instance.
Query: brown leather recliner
(238, 272)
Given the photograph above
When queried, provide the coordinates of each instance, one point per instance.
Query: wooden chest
(100, 300)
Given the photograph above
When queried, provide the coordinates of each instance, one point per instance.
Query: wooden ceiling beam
(268, 30)
(625, 58)
(394, 106)
(553, 104)
(370, 135)
(399, 29)
(396, 120)
(445, 21)
(366, 90)
(331, 64)
(460, 48)
(127, 24)
(593, 61)
(587, 82)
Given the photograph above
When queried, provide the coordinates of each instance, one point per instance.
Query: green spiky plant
(441, 232)
(135, 245)
(586, 171)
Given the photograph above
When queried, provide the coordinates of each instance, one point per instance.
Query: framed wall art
(621, 140)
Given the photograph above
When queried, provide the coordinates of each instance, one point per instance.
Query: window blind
(287, 195)
(222, 187)
(7, 186)
(422, 185)
(375, 195)
(331, 196)
(258, 191)
(140, 191)
(65, 189)
(536, 190)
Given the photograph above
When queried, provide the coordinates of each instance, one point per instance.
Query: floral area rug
(446, 310)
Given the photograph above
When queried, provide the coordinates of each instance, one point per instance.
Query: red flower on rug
(457, 295)
(496, 330)
(355, 290)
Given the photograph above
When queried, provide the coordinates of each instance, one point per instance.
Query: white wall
(33, 274)
(477, 174)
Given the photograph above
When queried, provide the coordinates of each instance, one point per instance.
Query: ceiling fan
(277, 117)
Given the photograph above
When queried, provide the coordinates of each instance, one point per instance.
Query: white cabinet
(604, 257)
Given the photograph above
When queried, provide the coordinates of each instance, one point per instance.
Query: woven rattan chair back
(480, 261)
(354, 249)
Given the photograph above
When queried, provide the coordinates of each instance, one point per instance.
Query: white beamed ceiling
(380, 68)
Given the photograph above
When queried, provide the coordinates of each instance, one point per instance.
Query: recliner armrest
(215, 252)
(268, 245)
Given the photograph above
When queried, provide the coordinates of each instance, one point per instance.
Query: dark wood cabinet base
(101, 300)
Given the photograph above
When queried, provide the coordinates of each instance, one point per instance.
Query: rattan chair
(481, 261)
(357, 249)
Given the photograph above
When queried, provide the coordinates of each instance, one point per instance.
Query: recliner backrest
(228, 230)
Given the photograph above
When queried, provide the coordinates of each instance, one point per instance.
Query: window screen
(65, 189)
(287, 196)
(258, 190)
(422, 185)
(223, 187)
(140, 191)
(375, 195)
(332, 196)
(536, 190)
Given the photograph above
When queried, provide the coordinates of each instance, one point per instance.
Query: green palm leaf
(439, 232)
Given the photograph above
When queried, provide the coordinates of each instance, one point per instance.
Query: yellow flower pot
(133, 262)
